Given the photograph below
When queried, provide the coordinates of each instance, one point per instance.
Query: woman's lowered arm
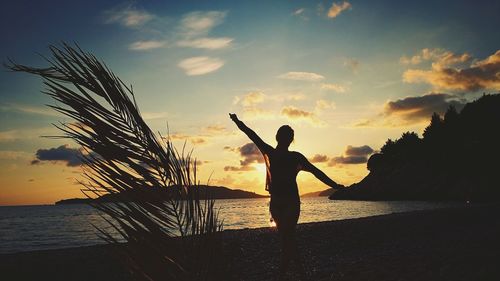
(264, 147)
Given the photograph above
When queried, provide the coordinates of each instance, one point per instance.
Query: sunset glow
(345, 75)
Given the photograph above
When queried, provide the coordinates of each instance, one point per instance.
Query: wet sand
(448, 244)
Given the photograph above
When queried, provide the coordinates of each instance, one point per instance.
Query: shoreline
(230, 228)
(441, 244)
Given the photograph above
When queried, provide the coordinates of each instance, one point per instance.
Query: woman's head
(284, 135)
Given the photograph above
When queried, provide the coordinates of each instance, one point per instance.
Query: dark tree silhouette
(434, 127)
(455, 159)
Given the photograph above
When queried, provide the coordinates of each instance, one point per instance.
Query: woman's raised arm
(263, 147)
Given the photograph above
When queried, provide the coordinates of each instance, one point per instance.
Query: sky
(346, 75)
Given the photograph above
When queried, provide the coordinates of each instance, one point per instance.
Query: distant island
(456, 159)
(215, 192)
(322, 193)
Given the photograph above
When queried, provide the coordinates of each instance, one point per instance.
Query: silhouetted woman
(282, 169)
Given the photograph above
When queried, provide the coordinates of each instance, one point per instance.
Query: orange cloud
(483, 74)
(296, 114)
(192, 139)
(215, 129)
(338, 8)
(439, 57)
(250, 99)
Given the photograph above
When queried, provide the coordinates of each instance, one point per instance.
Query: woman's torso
(283, 167)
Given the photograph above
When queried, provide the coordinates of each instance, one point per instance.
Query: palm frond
(154, 186)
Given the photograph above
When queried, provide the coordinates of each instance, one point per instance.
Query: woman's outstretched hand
(233, 117)
(339, 186)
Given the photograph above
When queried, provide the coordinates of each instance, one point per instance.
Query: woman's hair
(284, 135)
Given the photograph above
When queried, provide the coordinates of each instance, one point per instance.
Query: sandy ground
(452, 244)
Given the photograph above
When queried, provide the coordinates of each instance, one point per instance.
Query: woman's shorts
(285, 212)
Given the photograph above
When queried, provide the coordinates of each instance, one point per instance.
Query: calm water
(27, 228)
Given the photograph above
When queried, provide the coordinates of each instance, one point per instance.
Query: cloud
(421, 107)
(191, 31)
(352, 155)
(200, 65)
(200, 23)
(195, 26)
(206, 43)
(250, 99)
(193, 139)
(227, 180)
(298, 12)
(412, 110)
(128, 16)
(302, 76)
(71, 156)
(358, 150)
(364, 123)
(319, 158)
(249, 102)
(324, 104)
(207, 135)
(215, 129)
(238, 169)
(439, 57)
(338, 8)
(333, 87)
(413, 60)
(484, 74)
(257, 113)
(293, 113)
(198, 140)
(250, 154)
(147, 45)
(347, 160)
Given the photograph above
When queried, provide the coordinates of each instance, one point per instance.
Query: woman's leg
(287, 247)
(286, 227)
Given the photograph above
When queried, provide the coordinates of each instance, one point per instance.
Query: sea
(42, 227)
